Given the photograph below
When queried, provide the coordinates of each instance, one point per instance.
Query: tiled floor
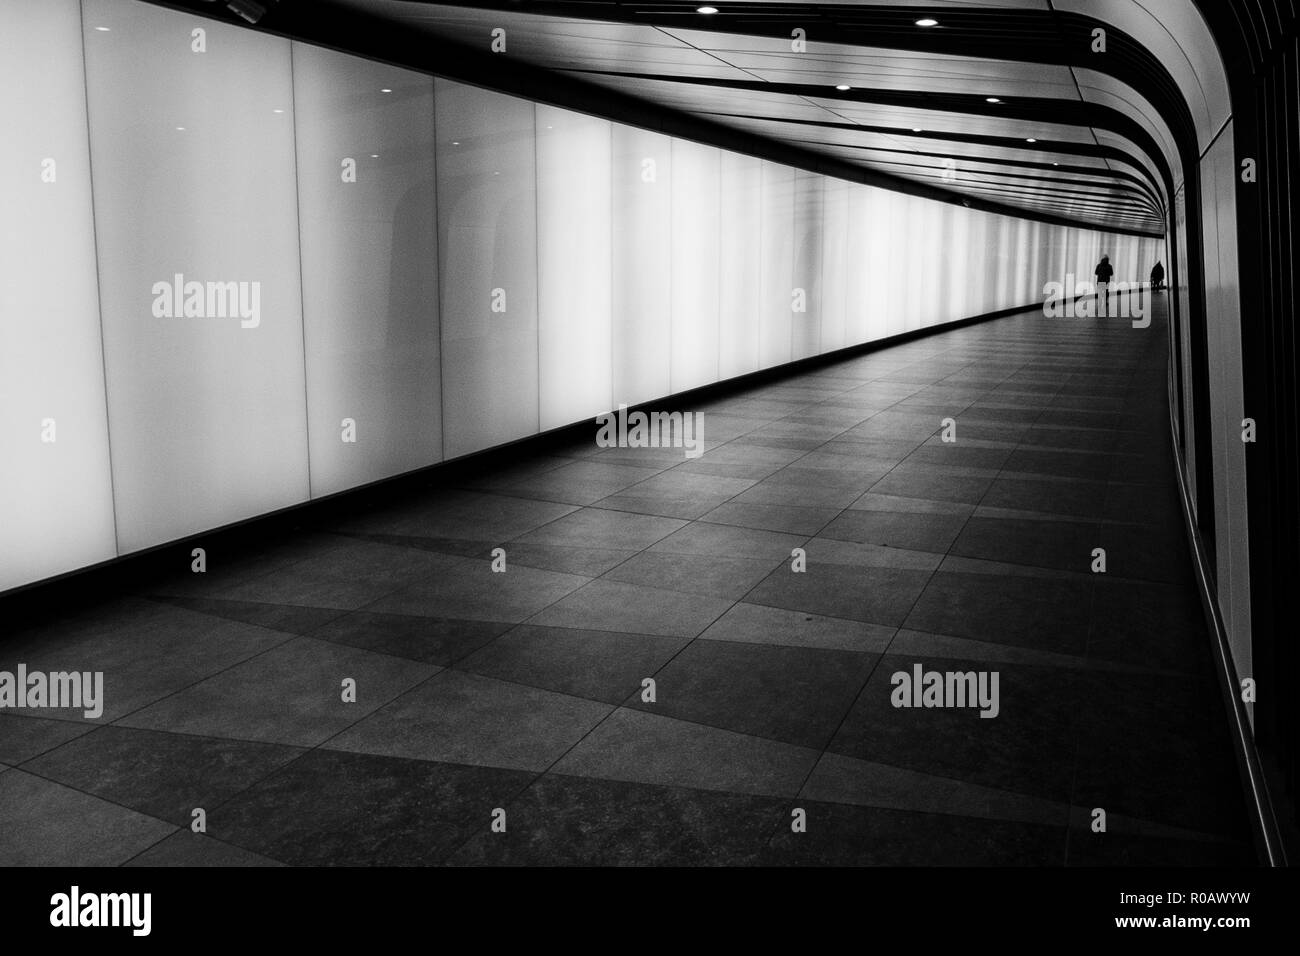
(524, 691)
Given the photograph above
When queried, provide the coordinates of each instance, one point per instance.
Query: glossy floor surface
(520, 696)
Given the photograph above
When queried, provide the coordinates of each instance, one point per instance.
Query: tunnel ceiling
(916, 108)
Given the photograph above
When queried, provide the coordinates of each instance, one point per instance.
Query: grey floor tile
(648, 748)
(473, 591)
(470, 719)
(616, 606)
(290, 695)
(48, 824)
(600, 665)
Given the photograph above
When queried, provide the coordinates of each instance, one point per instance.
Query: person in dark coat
(1103, 272)
(1157, 276)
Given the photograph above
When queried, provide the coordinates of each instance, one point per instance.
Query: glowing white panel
(896, 275)
(739, 265)
(954, 271)
(777, 237)
(982, 260)
(573, 265)
(1005, 252)
(56, 508)
(641, 247)
(857, 280)
(835, 268)
(197, 232)
(925, 234)
(807, 274)
(883, 287)
(1020, 266)
(369, 267)
(697, 244)
(487, 246)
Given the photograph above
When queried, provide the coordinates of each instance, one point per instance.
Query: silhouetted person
(1103, 272)
(1157, 276)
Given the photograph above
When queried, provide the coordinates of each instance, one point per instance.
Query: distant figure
(1157, 276)
(1103, 272)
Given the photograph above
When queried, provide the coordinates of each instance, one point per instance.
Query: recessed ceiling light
(843, 88)
(374, 155)
(180, 129)
(991, 99)
(916, 129)
(1031, 140)
(385, 90)
(706, 10)
(277, 111)
(927, 22)
(103, 29)
(455, 142)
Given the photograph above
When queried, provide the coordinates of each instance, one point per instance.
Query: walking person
(1103, 273)
(1157, 276)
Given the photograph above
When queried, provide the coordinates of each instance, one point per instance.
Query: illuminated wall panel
(697, 242)
(776, 234)
(642, 189)
(835, 269)
(56, 509)
(195, 192)
(809, 223)
(860, 294)
(487, 249)
(739, 265)
(369, 267)
(573, 265)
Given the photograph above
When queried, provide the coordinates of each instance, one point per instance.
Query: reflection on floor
(523, 691)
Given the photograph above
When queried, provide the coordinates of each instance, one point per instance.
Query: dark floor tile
(758, 624)
(48, 824)
(429, 639)
(790, 519)
(878, 595)
(915, 531)
(343, 574)
(923, 481)
(161, 774)
(473, 591)
(1179, 771)
(649, 748)
(570, 821)
(793, 694)
(466, 718)
(840, 835)
(1046, 613)
(290, 695)
(22, 738)
(713, 575)
(600, 665)
(1026, 748)
(1149, 624)
(600, 528)
(346, 809)
(1084, 499)
(1047, 543)
(633, 608)
(290, 618)
(187, 849)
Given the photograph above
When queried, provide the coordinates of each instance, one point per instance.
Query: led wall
(244, 272)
